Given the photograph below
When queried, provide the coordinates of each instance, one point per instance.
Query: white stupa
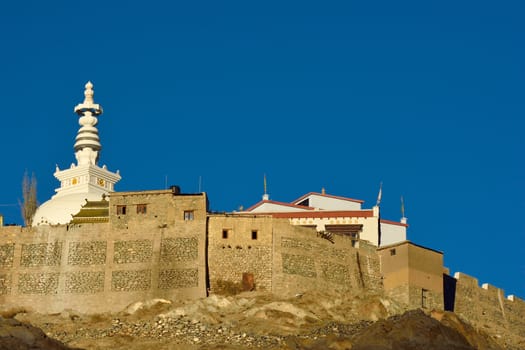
(84, 180)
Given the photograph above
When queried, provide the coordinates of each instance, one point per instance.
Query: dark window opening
(121, 210)
(354, 237)
(424, 298)
(392, 252)
(254, 234)
(141, 208)
(224, 234)
(188, 215)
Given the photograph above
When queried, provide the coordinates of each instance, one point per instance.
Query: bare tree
(29, 203)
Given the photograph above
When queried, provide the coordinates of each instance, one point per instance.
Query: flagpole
(380, 194)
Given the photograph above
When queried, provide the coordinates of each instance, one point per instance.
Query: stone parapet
(486, 306)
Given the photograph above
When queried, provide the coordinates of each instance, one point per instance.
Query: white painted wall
(59, 210)
(392, 233)
(369, 232)
(329, 203)
(276, 208)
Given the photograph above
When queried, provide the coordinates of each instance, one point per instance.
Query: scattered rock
(139, 305)
(258, 321)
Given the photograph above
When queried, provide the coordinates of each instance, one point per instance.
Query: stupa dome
(84, 180)
(59, 211)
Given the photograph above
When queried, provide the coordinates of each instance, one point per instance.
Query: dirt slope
(15, 335)
(257, 320)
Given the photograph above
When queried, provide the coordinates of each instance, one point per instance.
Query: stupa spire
(88, 93)
(87, 142)
(84, 180)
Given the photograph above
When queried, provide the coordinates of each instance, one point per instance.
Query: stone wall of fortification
(304, 261)
(166, 245)
(105, 267)
(162, 253)
(487, 306)
(413, 275)
(286, 259)
(239, 245)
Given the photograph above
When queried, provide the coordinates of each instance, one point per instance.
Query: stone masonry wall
(163, 252)
(284, 258)
(5, 283)
(137, 251)
(84, 282)
(107, 266)
(41, 254)
(368, 267)
(87, 253)
(7, 252)
(487, 306)
(305, 261)
(233, 250)
(415, 297)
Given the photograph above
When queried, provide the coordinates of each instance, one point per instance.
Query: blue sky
(426, 97)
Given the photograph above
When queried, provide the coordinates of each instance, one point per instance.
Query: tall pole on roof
(380, 194)
(377, 213)
(403, 217)
(265, 195)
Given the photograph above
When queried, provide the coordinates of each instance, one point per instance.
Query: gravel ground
(259, 321)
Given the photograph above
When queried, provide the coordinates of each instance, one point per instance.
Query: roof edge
(328, 196)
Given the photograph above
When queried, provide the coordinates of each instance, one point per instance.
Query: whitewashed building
(331, 214)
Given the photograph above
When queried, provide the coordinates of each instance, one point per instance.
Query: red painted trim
(328, 196)
(389, 222)
(324, 214)
(278, 203)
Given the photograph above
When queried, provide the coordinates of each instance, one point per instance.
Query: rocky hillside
(251, 320)
(16, 335)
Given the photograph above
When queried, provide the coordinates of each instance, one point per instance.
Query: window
(392, 252)
(424, 298)
(354, 237)
(141, 208)
(121, 210)
(188, 215)
(225, 234)
(305, 203)
(254, 234)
